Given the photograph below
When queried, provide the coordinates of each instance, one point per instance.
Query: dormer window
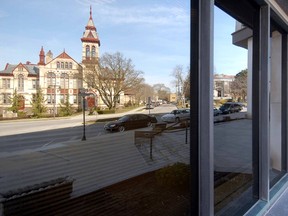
(66, 65)
(70, 65)
(58, 64)
(62, 64)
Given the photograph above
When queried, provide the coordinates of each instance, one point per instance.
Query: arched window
(64, 81)
(93, 51)
(20, 82)
(58, 64)
(70, 65)
(87, 51)
(62, 64)
(66, 64)
(51, 79)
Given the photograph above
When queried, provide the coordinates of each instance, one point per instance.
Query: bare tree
(179, 81)
(161, 91)
(187, 86)
(143, 92)
(112, 76)
(238, 87)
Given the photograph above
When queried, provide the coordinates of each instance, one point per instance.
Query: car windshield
(174, 112)
(225, 106)
(123, 118)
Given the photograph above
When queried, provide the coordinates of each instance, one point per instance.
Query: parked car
(176, 115)
(130, 121)
(217, 112)
(230, 107)
(149, 106)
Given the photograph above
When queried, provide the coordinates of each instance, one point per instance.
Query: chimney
(28, 62)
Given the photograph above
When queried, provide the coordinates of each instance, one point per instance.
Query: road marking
(46, 144)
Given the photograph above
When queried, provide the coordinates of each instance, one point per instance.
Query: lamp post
(83, 108)
(83, 93)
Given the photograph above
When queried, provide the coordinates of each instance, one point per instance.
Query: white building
(58, 77)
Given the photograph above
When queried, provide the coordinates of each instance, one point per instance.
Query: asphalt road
(38, 134)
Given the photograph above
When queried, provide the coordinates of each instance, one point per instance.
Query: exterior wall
(84, 44)
(27, 91)
(249, 86)
(275, 102)
(173, 97)
(74, 84)
(275, 97)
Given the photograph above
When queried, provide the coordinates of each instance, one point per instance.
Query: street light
(83, 94)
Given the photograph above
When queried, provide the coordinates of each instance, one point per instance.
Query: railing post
(151, 148)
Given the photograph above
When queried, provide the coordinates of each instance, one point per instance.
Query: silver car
(176, 115)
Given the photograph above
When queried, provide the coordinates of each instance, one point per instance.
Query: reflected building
(222, 84)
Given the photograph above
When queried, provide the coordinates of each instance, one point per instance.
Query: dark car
(131, 121)
(230, 107)
(216, 111)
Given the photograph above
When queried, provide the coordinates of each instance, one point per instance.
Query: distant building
(222, 85)
(173, 97)
(58, 77)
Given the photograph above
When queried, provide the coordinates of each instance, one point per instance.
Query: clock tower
(90, 42)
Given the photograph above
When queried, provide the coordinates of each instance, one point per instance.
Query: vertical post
(54, 104)
(84, 136)
(194, 112)
(151, 147)
(284, 101)
(186, 137)
(264, 81)
(201, 125)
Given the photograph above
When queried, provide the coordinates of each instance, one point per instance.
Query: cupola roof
(90, 33)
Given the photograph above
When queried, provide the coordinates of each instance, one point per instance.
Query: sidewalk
(93, 164)
(107, 159)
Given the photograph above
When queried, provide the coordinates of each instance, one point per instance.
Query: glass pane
(233, 176)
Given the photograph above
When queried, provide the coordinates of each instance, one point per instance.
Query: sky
(154, 34)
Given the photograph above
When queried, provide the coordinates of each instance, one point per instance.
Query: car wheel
(121, 129)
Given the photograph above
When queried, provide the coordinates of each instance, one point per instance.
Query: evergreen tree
(66, 108)
(38, 104)
(16, 102)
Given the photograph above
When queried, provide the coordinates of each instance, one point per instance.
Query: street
(38, 134)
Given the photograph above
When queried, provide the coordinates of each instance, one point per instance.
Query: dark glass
(233, 173)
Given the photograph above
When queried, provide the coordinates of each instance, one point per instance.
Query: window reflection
(233, 173)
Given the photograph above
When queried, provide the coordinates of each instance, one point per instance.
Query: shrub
(22, 114)
(176, 176)
(106, 111)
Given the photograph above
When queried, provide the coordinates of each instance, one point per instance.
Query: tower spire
(41, 57)
(90, 41)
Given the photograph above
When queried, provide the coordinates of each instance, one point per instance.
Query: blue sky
(153, 33)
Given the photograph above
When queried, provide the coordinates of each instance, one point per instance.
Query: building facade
(222, 84)
(60, 78)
